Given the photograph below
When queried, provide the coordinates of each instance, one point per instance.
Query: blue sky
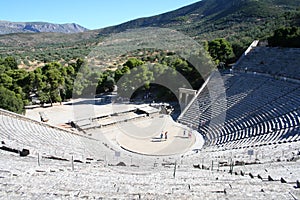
(92, 14)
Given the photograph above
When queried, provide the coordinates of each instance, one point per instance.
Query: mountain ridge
(8, 27)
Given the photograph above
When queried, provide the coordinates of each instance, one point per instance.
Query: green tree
(16, 80)
(6, 80)
(51, 82)
(28, 83)
(141, 76)
(79, 63)
(133, 62)
(69, 74)
(220, 50)
(39, 83)
(85, 81)
(11, 101)
(10, 63)
(106, 82)
(2, 68)
(285, 37)
(44, 97)
(79, 84)
(109, 84)
(120, 72)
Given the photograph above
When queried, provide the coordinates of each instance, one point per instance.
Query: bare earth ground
(143, 136)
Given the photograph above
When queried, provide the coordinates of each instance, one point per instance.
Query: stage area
(143, 136)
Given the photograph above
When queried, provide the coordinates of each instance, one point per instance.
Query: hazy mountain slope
(42, 39)
(208, 19)
(7, 27)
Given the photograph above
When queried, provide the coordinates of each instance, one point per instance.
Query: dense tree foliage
(285, 37)
(10, 63)
(133, 62)
(220, 50)
(14, 85)
(51, 83)
(57, 82)
(106, 82)
(9, 100)
(151, 73)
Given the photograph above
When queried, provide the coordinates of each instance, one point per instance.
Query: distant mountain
(7, 27)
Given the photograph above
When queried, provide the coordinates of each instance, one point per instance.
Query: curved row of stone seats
(41, 138)
(283, 171)
(231, 99)
(19, 132)
(275, 61)
(258, 108)
(266, 125)
(267, 153)
(57, 180)
(269, 123)
(260, 130)
(279, 162)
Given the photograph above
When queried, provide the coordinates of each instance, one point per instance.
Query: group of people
(189, 133)
(166, 134)
(162, 134)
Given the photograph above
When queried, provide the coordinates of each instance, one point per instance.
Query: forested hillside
(238, 21)
(46, 65)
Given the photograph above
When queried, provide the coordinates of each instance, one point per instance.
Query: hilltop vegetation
(52, 66)
(285, 37)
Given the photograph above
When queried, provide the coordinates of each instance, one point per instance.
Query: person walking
(166, 135)
(190, 134)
